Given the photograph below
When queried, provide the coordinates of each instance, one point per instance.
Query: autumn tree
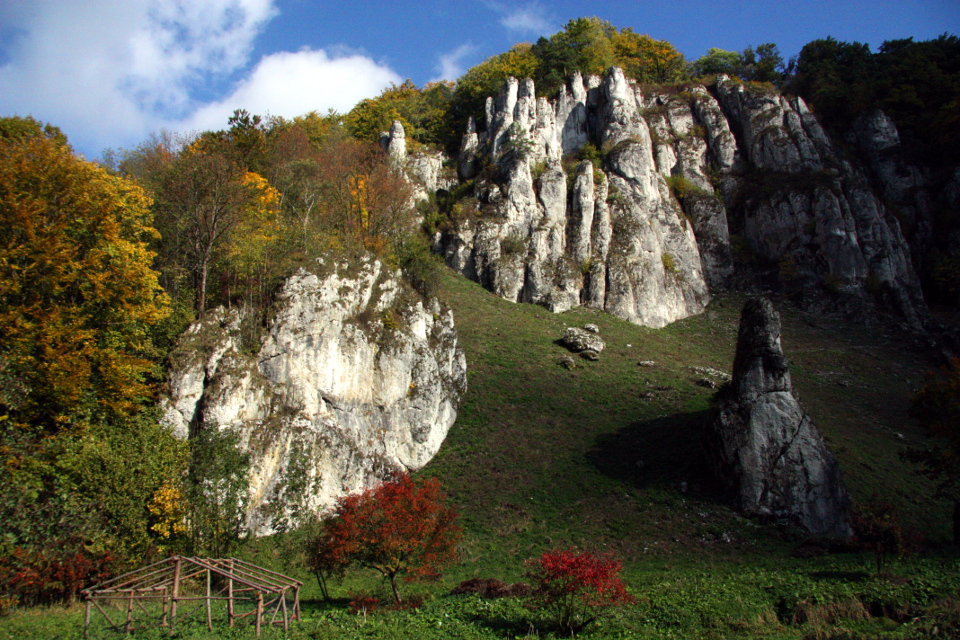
(575, 587)
(400, 527)
(78, 294)
(82, 455)
(648, 60)
(202, 199)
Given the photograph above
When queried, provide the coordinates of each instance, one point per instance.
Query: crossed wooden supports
(187, 580)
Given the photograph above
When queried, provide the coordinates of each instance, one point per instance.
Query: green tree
(716, 62)
(215, 490)
(937, 407)
(424, 113)
(584, 45)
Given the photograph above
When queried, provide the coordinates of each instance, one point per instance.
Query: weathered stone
(612, 235)
(578, 340)
(763, 447)
(355, 378)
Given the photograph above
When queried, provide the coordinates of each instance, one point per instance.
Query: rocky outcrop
(640, 204)
(354, 378)
(611, 236)
(762, 446)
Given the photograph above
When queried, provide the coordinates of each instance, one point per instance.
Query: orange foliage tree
(78, 294)
(398, 527)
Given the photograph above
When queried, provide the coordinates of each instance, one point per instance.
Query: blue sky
(111, 72)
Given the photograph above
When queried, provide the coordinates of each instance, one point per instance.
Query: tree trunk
(956, 522)
(393, 585)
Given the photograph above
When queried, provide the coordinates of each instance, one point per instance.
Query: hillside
(543, 457)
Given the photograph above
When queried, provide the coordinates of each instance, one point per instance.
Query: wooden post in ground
(296, 603)
(163, 610)
(86, 618)
(128, 627)
(259, 611)
(209, 608)
(174, 594)
(230, 595)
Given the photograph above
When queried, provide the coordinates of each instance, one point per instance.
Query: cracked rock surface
(763, 447)
(355, 377)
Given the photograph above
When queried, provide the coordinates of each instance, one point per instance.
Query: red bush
(399, 527)
(55, 573)
(575, 587)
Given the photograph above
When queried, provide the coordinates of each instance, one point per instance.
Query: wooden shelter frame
(242, 582)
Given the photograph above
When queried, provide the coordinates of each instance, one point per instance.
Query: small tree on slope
(398, 527)
(575, 587)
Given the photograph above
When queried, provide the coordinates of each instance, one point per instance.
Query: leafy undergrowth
(606, 457)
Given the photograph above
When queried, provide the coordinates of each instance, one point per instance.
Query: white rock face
(610, 237)
(355, 379)
(751, 174)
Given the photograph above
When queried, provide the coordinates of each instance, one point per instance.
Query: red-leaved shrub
(576, 587)
(53, 574)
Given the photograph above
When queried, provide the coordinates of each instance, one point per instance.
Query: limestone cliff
(354, 378)
(674, 194)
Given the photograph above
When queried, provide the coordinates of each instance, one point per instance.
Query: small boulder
(566, 362)
(590, 354)
(578, 340)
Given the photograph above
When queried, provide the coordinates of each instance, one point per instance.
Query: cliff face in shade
(762, 446)
(355, 378)
(641, 204)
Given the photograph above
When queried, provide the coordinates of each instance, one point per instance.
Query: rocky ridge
(355, 378)
(640, 204)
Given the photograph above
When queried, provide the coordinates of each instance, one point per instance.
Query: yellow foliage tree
(259, 227)
(78, 293)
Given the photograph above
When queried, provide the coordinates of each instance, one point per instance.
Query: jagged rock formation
(354, 378)
(675, 194)
(761, 445)
(424, 169)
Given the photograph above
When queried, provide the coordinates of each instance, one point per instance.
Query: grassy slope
(541, 456)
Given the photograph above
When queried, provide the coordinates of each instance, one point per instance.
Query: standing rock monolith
(760, 443)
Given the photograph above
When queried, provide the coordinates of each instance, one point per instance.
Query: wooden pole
(283, 603)
(86, 618)
(230, 610)
(163, 611)
(209, 608)
(129, 625)
(259, 611)
(175, 592)
(296, 603)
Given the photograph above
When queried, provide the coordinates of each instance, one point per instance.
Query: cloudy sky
(111, 72)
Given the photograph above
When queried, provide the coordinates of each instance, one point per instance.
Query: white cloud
(451, 66)
(292, 84)
(109, 73)
(531, 18)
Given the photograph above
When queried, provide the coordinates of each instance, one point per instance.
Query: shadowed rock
(763, 447)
